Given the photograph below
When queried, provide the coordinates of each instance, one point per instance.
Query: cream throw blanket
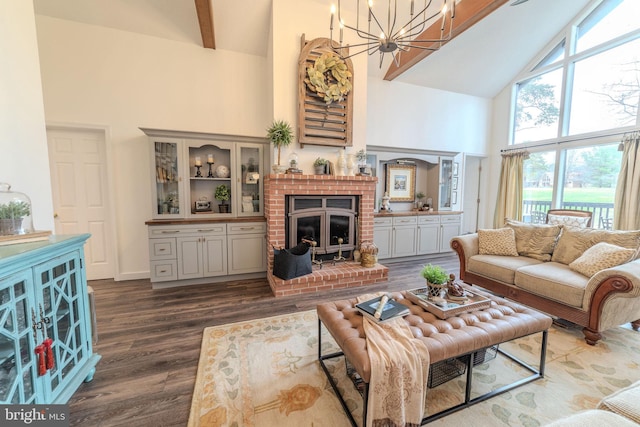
(399, 371)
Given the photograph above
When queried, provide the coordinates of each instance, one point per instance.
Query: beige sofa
(587, 276)
(619, 409)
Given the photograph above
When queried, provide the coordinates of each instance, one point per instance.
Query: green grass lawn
(591, 195)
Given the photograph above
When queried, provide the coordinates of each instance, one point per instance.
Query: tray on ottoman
(454, 307)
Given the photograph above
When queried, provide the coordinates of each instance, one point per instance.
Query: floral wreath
(329, 78)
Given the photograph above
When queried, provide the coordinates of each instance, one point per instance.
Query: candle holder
(198, 173)
(210, 175)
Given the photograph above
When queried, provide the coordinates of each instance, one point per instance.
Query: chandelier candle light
(394, 37)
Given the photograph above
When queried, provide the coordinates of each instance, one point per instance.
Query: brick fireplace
(341, 275)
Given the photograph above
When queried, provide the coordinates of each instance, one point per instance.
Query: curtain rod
(622, 134)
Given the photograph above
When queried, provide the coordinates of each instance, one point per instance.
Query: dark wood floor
(150, 340)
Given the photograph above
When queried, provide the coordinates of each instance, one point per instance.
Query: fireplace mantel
(343, 275)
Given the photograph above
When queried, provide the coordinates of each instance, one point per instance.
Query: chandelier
(394, 38)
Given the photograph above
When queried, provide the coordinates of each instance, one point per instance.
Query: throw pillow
(574, 241)
(574, 221)
(535, 240)
(600, 256)
(497, 242)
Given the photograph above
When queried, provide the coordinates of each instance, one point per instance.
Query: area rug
(265, 373)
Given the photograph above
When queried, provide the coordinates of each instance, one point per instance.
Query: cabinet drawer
(162, 249)
(429, 219)
(405, 220)
(164, 270)
(450, 218)
(188, 230)
(382, 222)
(247, 228)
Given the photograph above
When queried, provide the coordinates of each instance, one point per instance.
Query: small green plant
(434, 274)
(222, 193)
(420, 195)
(280, 134)
(14, 210)
(320, 162)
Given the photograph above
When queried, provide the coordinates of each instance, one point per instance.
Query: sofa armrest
(616, 292)
(465, 246)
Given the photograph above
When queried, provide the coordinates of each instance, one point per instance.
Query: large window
(580, 98)
(588, 83)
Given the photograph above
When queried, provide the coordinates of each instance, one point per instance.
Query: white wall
(499, 140)
(121, 80)
(24, 161)
(409, 116)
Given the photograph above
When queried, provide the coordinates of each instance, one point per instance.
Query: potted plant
(320, 165)
(11, 215)
(223, 194)
(281, 135)
(420, 195)
(436, 278)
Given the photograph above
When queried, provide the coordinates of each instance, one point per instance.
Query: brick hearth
(342, 275)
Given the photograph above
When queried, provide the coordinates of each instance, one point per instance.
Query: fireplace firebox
(330, 221)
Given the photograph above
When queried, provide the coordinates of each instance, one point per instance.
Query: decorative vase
(351, 165)
(436, 289)
(341, 164)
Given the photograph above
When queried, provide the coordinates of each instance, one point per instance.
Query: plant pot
(223, 208)
(319, 170)
(279, 168)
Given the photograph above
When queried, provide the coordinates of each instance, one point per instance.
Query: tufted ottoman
(454, 337)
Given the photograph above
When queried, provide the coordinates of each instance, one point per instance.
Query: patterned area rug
(265, 373)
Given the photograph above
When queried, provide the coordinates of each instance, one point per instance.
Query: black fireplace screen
(328, 220)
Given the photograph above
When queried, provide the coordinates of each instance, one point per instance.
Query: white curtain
(510, 190)
(626, 207)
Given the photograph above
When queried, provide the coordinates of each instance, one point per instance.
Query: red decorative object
(42, 366)
(49, 352)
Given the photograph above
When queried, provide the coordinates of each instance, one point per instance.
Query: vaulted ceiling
(480, 61)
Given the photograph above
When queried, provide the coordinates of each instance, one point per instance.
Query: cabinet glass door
(17, 356)
(250, 180)
(167, 180)
(61, 309)
(210, 167)
(446, 170)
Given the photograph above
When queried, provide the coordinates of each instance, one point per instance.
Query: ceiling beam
(205, 20)
(468, 13)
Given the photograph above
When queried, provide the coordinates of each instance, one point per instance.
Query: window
(595, 88)
(581, 97)
(539, 171)
(538, 107)
(586, 181)
(606, 90)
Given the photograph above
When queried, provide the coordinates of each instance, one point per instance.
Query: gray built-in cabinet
(193, 238)
(399, 235)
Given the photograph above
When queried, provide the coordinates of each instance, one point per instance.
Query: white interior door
(80, 193)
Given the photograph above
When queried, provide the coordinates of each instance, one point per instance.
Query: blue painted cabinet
(43, 296)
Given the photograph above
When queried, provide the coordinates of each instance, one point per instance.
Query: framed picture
(401, 182)
(454, 198)
(454, 183)
(455, 169)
